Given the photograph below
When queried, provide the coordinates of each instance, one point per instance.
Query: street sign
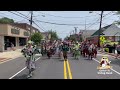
(102, 38)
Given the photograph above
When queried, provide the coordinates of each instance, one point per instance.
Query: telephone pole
(99, 32)
(31, 20)
(75, 30)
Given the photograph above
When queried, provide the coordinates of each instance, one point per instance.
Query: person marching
(65, 50)
(76, 48)
(28, 52)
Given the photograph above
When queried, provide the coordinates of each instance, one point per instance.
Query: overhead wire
(64, 17)
(25, 17)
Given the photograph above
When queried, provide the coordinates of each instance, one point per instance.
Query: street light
(101, 16)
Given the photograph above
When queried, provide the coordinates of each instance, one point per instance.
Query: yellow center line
(69, 70)
(65, 71)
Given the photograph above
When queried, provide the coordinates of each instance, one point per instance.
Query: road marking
(69, 70)
(110, 68)
(65, 70)
(115, 71)
(67, 67)
(17, 73)
(22, 70)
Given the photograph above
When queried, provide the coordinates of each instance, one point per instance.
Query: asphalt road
(55, 68)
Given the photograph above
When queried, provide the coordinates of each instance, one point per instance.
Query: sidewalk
(112, 54)
(10, 55)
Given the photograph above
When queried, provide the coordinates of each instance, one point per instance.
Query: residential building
(86, 33)
(46, 35)
(110, 32)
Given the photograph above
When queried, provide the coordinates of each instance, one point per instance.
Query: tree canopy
(54, 35)
(36, 38)
(6, 20)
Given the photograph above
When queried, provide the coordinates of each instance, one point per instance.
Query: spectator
(118, 51)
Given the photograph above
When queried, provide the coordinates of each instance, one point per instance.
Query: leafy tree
(36, 38)
(6, 20)
(54, 35)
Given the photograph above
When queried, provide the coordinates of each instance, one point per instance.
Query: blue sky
(64, 17)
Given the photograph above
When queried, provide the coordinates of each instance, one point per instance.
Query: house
(27, 27)
(87, 33)
(46, 35)
(110, 32)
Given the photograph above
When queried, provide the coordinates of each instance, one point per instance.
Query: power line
(33, 22)
(18, 15)
(26, 18)
(23, 14)
(23, 19)
(65, 17)
(99, 19)
(38, 26)
(61, 23)
(71, 24)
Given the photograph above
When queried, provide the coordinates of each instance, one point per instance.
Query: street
(55, 68)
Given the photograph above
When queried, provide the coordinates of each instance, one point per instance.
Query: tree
(6, 20)
(54, 35)
(36, 38)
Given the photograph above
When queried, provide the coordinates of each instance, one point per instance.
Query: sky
(71, 19)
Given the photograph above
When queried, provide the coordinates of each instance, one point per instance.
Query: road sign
(102, 38)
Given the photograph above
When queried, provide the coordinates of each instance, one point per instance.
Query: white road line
(111, 68)
(115, 71)
(17, 73)
(22, 70)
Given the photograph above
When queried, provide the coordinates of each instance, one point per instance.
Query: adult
(65, 50)
(28, 52)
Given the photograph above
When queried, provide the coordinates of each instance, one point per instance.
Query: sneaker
(28, 76)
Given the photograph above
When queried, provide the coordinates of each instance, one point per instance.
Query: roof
(88, 32)
(24, 26)
(45, 33)
(102, 30)
(112, 31)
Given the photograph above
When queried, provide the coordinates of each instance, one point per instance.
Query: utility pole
(75, 30)
(31, 20)
(99, 32)
(75, 33)
(85, 24)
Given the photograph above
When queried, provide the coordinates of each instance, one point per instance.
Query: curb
(5, 59)
(108, 54)
(8, 59)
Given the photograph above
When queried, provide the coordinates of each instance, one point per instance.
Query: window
(15, 31)
(26, 34)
